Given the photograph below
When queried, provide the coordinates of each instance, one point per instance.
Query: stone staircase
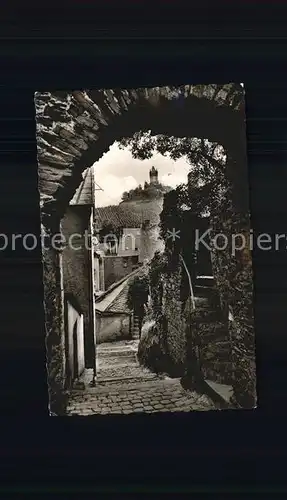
(213, 340)
(118, 361)
(205, 289)
(205, 281)
(135, 327)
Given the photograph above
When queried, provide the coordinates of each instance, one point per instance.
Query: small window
(135, 259)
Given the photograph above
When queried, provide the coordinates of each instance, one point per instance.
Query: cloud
(174, 180)
(113, 187)
(117, 171)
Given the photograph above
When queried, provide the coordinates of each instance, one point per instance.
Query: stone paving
(124, 387)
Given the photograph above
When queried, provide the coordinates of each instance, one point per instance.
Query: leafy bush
(138, 293)
(153, 352)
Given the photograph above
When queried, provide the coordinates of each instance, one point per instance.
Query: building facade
(114, 319)
(78, 275)
(127, 234)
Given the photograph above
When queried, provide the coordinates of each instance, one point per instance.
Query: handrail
(189, 281)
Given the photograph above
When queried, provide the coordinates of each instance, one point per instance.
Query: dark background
(76, 45)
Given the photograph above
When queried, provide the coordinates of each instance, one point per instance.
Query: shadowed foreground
(124, 387)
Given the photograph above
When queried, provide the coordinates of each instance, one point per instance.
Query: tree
(148, 192)
(125, 196)
(207, 161)
(211, 160)
(143, 145)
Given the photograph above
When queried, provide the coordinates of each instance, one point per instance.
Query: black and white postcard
(146, 248)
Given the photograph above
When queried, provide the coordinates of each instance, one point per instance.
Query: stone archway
(75, 128)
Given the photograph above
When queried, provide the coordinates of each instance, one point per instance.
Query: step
(135, 378)
(204, 291)
(207, 281)
(116, 353)
(131, 385)
(201, 302)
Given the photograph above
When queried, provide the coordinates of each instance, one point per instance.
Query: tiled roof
(119, 304)
(85, 192)
(129, 214)
(146, 210)
(117, 215)
(115, 300)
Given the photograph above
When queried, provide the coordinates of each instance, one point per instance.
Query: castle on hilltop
(153, 176)
(150, 190)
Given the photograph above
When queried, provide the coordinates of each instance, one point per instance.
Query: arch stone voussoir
(75, 128)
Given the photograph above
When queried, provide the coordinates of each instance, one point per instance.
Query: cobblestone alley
(124, 387)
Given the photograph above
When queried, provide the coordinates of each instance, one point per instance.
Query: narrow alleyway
(124, 387)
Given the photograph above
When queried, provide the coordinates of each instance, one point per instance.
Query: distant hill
(138, 206)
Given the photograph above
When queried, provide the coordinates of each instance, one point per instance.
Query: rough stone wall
(76, 268)
(243, 337)
(162, 347)
(215, 361)
(233, 273)
(172, 311)
(177, 337)
(206, 331)
(234, 278)
(54, 323)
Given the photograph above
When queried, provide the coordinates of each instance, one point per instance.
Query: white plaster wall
(110, 328)
(74, 317)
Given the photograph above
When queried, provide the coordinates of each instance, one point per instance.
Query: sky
(117, 171)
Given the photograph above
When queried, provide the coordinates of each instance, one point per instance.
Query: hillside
(145, 210)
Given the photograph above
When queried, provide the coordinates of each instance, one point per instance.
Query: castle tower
(153, 176)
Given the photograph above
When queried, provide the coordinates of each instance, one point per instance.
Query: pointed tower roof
(153, 170)
(84, 195)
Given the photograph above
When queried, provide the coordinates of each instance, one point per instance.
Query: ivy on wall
(138, 293)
